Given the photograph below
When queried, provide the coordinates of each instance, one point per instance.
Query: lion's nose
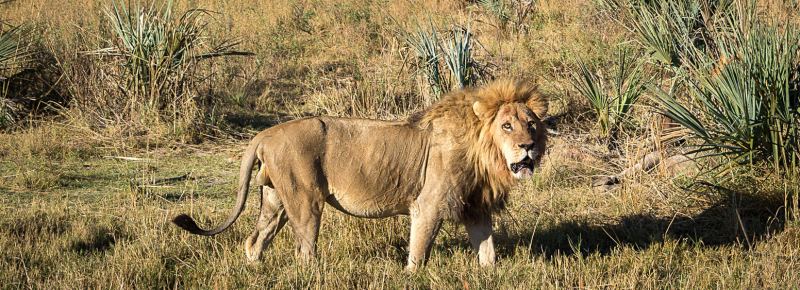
(526, 146)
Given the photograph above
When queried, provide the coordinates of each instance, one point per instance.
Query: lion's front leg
(425, 224)
(479, 230)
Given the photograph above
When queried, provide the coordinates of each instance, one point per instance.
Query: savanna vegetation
(673, 162)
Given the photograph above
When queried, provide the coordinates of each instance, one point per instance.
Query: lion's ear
(480, 109)
(537, 103)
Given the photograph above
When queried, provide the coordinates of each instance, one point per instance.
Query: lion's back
(362, 161)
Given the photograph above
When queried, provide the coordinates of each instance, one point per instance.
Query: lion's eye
(507, 127)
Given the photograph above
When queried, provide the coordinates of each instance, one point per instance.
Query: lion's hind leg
(305, 218)
(272, 218)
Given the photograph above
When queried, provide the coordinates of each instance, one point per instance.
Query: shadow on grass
(32, 90)
(30, 228)
(98, 239)
(249, 120)
(83, 179)
(174, 196)
(736, 219)
(86, 236)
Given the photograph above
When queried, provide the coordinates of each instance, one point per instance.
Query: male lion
(456, 160)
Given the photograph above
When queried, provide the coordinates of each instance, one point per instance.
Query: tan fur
(451, 161)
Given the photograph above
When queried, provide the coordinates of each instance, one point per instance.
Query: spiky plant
(746, 92)
(612, 103)
(458, 57)
(666, 29)
(447, 64)
(13, 56)
(159, 50)
(426, 46)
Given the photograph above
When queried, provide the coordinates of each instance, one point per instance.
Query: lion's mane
(486, 175)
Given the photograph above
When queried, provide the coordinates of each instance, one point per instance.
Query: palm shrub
(159, 52)
(458, 57)
(14, 55)
(734, 77)
(426, 46)
(446, 64)
(666, 29)
(664, 37)
(744, 92)
(611, 102)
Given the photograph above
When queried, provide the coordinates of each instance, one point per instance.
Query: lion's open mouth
(525, 163)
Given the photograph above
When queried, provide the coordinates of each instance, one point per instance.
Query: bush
(462, 69)
(14, 56)
(735, 78)
(666, 29)
(611, 103)
(158, 53)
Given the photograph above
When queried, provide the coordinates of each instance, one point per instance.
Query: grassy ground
(86, 196)
(104, 223)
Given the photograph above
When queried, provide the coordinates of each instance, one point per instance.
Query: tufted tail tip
(187, 223)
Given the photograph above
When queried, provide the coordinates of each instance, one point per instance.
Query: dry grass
(107, 225)
(71, 217)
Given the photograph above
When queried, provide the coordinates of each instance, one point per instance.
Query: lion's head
(499, 132)
(511, 117)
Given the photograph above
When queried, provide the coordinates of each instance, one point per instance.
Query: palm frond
(611, 103)
(746, 87)
(426, 46)
(458, 57)
(14, 55)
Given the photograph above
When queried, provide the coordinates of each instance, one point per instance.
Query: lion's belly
(367, 206)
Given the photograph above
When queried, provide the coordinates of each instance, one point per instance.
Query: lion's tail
(248, 160)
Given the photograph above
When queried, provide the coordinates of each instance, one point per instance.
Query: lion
(456, 160)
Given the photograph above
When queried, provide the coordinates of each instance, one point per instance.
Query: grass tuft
(456, 54)
(612, 103)
(159, 52)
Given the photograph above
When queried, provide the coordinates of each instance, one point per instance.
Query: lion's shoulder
(453, 110)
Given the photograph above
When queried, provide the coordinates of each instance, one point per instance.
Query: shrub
(458, 57)
(611, 103)
(744, 87)
(457, 51)
(426, 46)
(667, 29)
(735, 78)
(14, 55)
(159, 52)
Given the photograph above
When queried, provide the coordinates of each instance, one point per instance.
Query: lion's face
(519, 134)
